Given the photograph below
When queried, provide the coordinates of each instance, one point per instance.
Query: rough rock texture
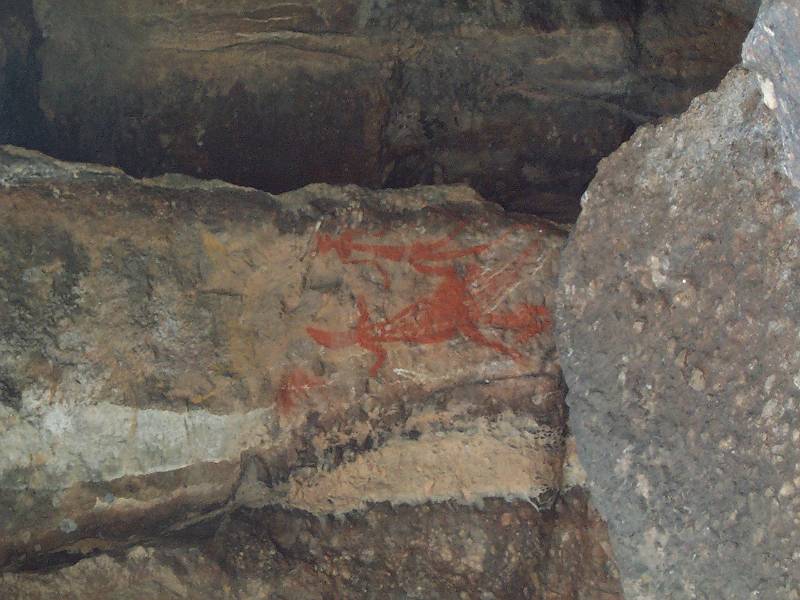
(359, 386)
(773, 51)
(519, 99)
(504, 550)
(678, 329)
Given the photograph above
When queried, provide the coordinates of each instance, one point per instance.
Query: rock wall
(502, 550)
(518, 99)
(214, 392)
(362, 382)
(678, 321)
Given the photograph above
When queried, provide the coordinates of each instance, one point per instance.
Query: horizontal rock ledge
(174, 351)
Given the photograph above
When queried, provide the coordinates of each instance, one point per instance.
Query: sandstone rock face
(678, 329)
(518, 99)
(334, 389)
(503, 550)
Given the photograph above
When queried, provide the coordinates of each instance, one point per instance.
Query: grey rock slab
(678, 324)
(773, 51)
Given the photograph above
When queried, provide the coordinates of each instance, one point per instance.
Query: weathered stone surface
(503, 550)
(678, 329)
(175, 352)
(519, 99)
(773, 51)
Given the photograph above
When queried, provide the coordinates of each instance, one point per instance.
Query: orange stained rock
(459, 305)
(294, 383)
(416, 254)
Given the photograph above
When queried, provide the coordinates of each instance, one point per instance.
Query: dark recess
(519, 99)
(21, 120)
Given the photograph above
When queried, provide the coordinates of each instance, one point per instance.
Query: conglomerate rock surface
(518, 99)
(772, 50)
(678, 326)
(334, 392)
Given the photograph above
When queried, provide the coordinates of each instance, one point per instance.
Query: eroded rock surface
(772, 50)
(678, 317)
(365, 381)
(502, 550)
(518, 99)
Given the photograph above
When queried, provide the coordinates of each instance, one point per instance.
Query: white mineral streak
(58, 445)
(768, 92)
(574, 473)
(62, 445)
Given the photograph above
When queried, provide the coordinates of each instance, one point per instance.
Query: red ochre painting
(462, 303)
(295, 382)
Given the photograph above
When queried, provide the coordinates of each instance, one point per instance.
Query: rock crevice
(520, 100)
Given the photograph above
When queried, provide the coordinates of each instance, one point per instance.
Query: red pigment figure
(294, 382)
(415, 254)
(458, 305)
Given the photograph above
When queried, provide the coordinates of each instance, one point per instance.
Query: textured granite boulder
(678, 328)
(519, 99)
(366, 381)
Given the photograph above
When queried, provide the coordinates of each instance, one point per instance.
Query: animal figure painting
(463, 302)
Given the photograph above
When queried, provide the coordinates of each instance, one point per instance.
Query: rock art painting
(463, 302)
(180, 356)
